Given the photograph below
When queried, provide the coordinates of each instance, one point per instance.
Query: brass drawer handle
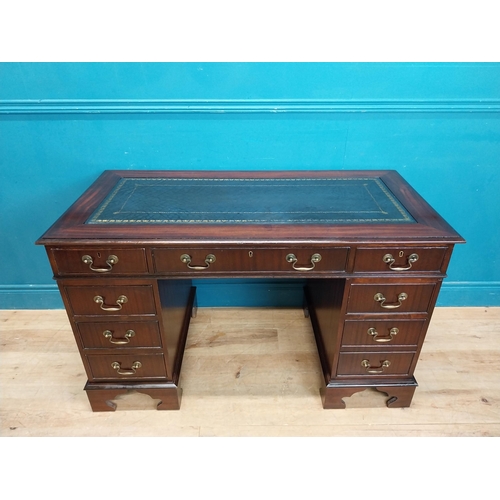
(118, 367)
(375, 371)
(380, 298)
(122, 299)
(128, 335)
(293, 260)
(389, 259)
(110, 261)
(186, 259)
(392, 333)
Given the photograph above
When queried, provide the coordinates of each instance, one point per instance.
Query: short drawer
(127, 367)
(399, 259)
(383, 298)
(119, 334)
(100, 261)
(375, 364)
(111, 300)
(382, 333)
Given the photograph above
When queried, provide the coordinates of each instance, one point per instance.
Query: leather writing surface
(250, 201)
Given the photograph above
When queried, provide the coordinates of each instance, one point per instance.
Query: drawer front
(383, 298)
(382, 333)
(300, 260)
(100, 261)
(399, 259)
(118, 335)
(111, 300)
(375, 364)
(201, 260)
(213, 260)
(127, 367)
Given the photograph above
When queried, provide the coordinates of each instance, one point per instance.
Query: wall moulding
(221, 106)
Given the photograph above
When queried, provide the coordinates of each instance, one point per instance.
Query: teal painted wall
(62, 124)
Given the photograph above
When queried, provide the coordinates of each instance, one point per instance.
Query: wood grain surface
(252, 372)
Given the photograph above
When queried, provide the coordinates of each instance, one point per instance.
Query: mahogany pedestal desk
(372, 254)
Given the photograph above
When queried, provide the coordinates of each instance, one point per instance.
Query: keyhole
(401, 253)
(250, 253)
(98, 255)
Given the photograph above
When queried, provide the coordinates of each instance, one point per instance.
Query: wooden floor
(251, 372)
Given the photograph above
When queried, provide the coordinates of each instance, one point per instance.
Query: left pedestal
(131, 334)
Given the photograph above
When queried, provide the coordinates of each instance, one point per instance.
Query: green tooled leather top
(250, 201)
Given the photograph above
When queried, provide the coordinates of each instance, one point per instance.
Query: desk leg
(399, 394)
(101, 395)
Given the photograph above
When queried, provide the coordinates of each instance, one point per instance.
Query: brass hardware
(118, 367)
(128, 335)
(110, 261)
(380, 298)
(186, 259)
(250, 253)
(122, 299)
(315, 258)
(375, 371)
(389, 259)
(392, 333)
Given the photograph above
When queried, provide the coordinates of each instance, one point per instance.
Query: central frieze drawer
(213, 260)
(375, 364)
(110, 300)
(119, 334)
(100, 261)
(384, 298)
(127, 367)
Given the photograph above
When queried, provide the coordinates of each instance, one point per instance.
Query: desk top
(222, 206)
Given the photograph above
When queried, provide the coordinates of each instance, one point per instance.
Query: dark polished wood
(119, 334)
(362, 297)
(399, 394)
(130, 261)
(381, 333)
(152, 366)
(101, 395)
(370, 294)
(140, 299)
(247, 260)
(72, 225)
(370, 259)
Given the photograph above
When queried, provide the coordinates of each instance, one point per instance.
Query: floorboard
(252, 372)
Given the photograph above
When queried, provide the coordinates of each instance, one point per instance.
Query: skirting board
(251, 293)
